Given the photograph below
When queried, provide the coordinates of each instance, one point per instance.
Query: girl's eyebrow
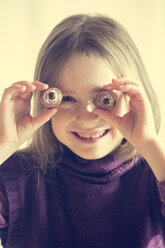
(73, 92)
(68, 92)
(95, 90)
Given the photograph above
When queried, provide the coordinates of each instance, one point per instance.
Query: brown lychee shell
(57, 94)
(102, 92)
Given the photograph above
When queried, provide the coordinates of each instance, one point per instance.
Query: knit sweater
(84, 204)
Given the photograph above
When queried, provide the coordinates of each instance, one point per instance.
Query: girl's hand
(16, 122)
(137, 125)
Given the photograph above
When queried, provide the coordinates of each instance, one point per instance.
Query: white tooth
(87, 136)
(95, 136)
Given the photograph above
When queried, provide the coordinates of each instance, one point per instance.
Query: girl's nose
(85, 115)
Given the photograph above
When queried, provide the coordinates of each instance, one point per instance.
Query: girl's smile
(84, 132)
(91, 137)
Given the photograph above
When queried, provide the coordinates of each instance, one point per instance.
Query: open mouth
(91, 137)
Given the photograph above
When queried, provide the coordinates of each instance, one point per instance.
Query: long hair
(99, 35)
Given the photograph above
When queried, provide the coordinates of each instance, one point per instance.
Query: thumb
(42, 118)
(108, 116)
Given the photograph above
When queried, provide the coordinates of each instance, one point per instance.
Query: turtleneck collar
(97, 171)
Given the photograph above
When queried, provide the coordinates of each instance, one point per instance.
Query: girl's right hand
(16, 122)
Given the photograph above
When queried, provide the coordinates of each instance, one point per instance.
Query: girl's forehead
(87, 71)
(83, 62)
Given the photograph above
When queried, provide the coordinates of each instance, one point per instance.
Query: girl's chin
(96, 150)
(92, 156)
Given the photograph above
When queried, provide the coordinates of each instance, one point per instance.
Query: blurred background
(25, 24)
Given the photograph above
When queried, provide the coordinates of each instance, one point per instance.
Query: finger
(116, 83)
(11, 92)
(42, 118)
(29, 89)
(40, 85)
(132, 91)
(125, 80)
(110, 86)
(34, 85)
(24, 89)
(27, 84)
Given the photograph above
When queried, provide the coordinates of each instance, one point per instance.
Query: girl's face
(83, 132)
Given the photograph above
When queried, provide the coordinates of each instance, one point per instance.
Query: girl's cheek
(65, 113)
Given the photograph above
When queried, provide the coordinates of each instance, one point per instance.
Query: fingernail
(115, 79)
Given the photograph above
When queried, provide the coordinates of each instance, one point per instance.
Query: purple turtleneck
(85, 204)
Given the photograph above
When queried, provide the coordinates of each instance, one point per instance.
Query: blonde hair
(87, 34)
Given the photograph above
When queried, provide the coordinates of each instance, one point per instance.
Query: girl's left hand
(137, 125)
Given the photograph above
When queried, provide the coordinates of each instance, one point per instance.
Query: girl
(87, 179)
